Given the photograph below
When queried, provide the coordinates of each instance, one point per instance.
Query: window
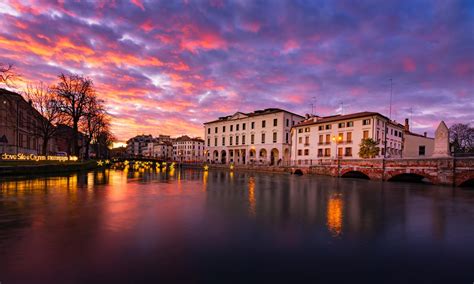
(300, 140)
(287, 137)
(320, 141)
(208, 131)
(306, 152)
(252, 139)
(236, 140)
(230, 140)
(223, 141)
(366, 122)
(328, 126)
(300, 152)
(320, 152)
(208, 142)
(215, 130)
(243, 126)
(391, 131)
(349, 137)
(307, 129)
(421, 150)
(306, 141)
(321, 127)
(231, 128)
(274, 137)
(263, 138)
(300, 130)
(264, 123)
(223, 128)
(365, 134)
(275, 122)
(252, 125)
(327, 152)
(287, 122)
(340, 137)
(341, 125)
(328, 138)
(215, 142)
(348, 152)
(243, 139)
(350, 124)
(339, 152)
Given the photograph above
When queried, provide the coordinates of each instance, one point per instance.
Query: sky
(165, 67)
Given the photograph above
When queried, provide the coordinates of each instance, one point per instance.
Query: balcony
(306, 144)
(320, 143)
(327, 142)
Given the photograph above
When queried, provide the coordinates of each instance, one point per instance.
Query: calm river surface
(191, 226)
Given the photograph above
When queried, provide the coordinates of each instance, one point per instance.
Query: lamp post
(336, 140)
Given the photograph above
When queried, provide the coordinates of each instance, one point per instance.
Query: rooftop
(252, 114)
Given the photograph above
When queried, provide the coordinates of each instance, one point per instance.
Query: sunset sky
(165, 68)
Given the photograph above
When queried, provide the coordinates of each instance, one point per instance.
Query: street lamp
(339, 140)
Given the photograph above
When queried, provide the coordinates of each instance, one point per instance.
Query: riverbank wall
(49, 168)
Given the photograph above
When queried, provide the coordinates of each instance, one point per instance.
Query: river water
(192, 226)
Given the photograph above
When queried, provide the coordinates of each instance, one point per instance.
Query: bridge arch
(410, 177)
(354, 174)
(467, 183)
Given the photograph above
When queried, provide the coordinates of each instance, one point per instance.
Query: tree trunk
(88, 143)
(75, 144)
(45, 146)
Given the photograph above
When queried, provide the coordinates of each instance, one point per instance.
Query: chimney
(407, 125)
(424, 133)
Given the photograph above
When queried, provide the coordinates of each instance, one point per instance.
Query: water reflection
(171, 222)
(335, 214)
(251, 194)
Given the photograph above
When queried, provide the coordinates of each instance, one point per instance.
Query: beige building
(416, 145)
(259, 137)
(19, 126)
(187, 149)
(339, 136)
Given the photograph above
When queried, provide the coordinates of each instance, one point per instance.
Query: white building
(158, 149)
(339, 136)
(187, 149)
(416, 145)
(261, 137)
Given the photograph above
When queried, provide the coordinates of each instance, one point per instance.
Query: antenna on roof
(313, 104)
(390, 109)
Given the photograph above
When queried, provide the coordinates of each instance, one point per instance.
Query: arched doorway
(252, 155)
(274, 156)
(215, 156)
(262, 157)
(223, 157)
(286, 156)
(355, 174)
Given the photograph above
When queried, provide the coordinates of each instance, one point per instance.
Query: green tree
(368, 148)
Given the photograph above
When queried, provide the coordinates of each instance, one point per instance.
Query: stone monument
(441, 143)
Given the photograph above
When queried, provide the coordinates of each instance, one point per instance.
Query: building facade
(416, 145)
(138, 144)
(187, 149)
(259, 137)
(19, 124)
(340, 136)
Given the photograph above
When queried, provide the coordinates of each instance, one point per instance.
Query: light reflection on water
(195, 225)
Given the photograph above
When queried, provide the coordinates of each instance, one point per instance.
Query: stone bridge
(443, 171)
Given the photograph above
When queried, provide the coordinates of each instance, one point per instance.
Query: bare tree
(46, 102)
(74, 92)
(93, 122)
(462, 138)
(7, 75)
